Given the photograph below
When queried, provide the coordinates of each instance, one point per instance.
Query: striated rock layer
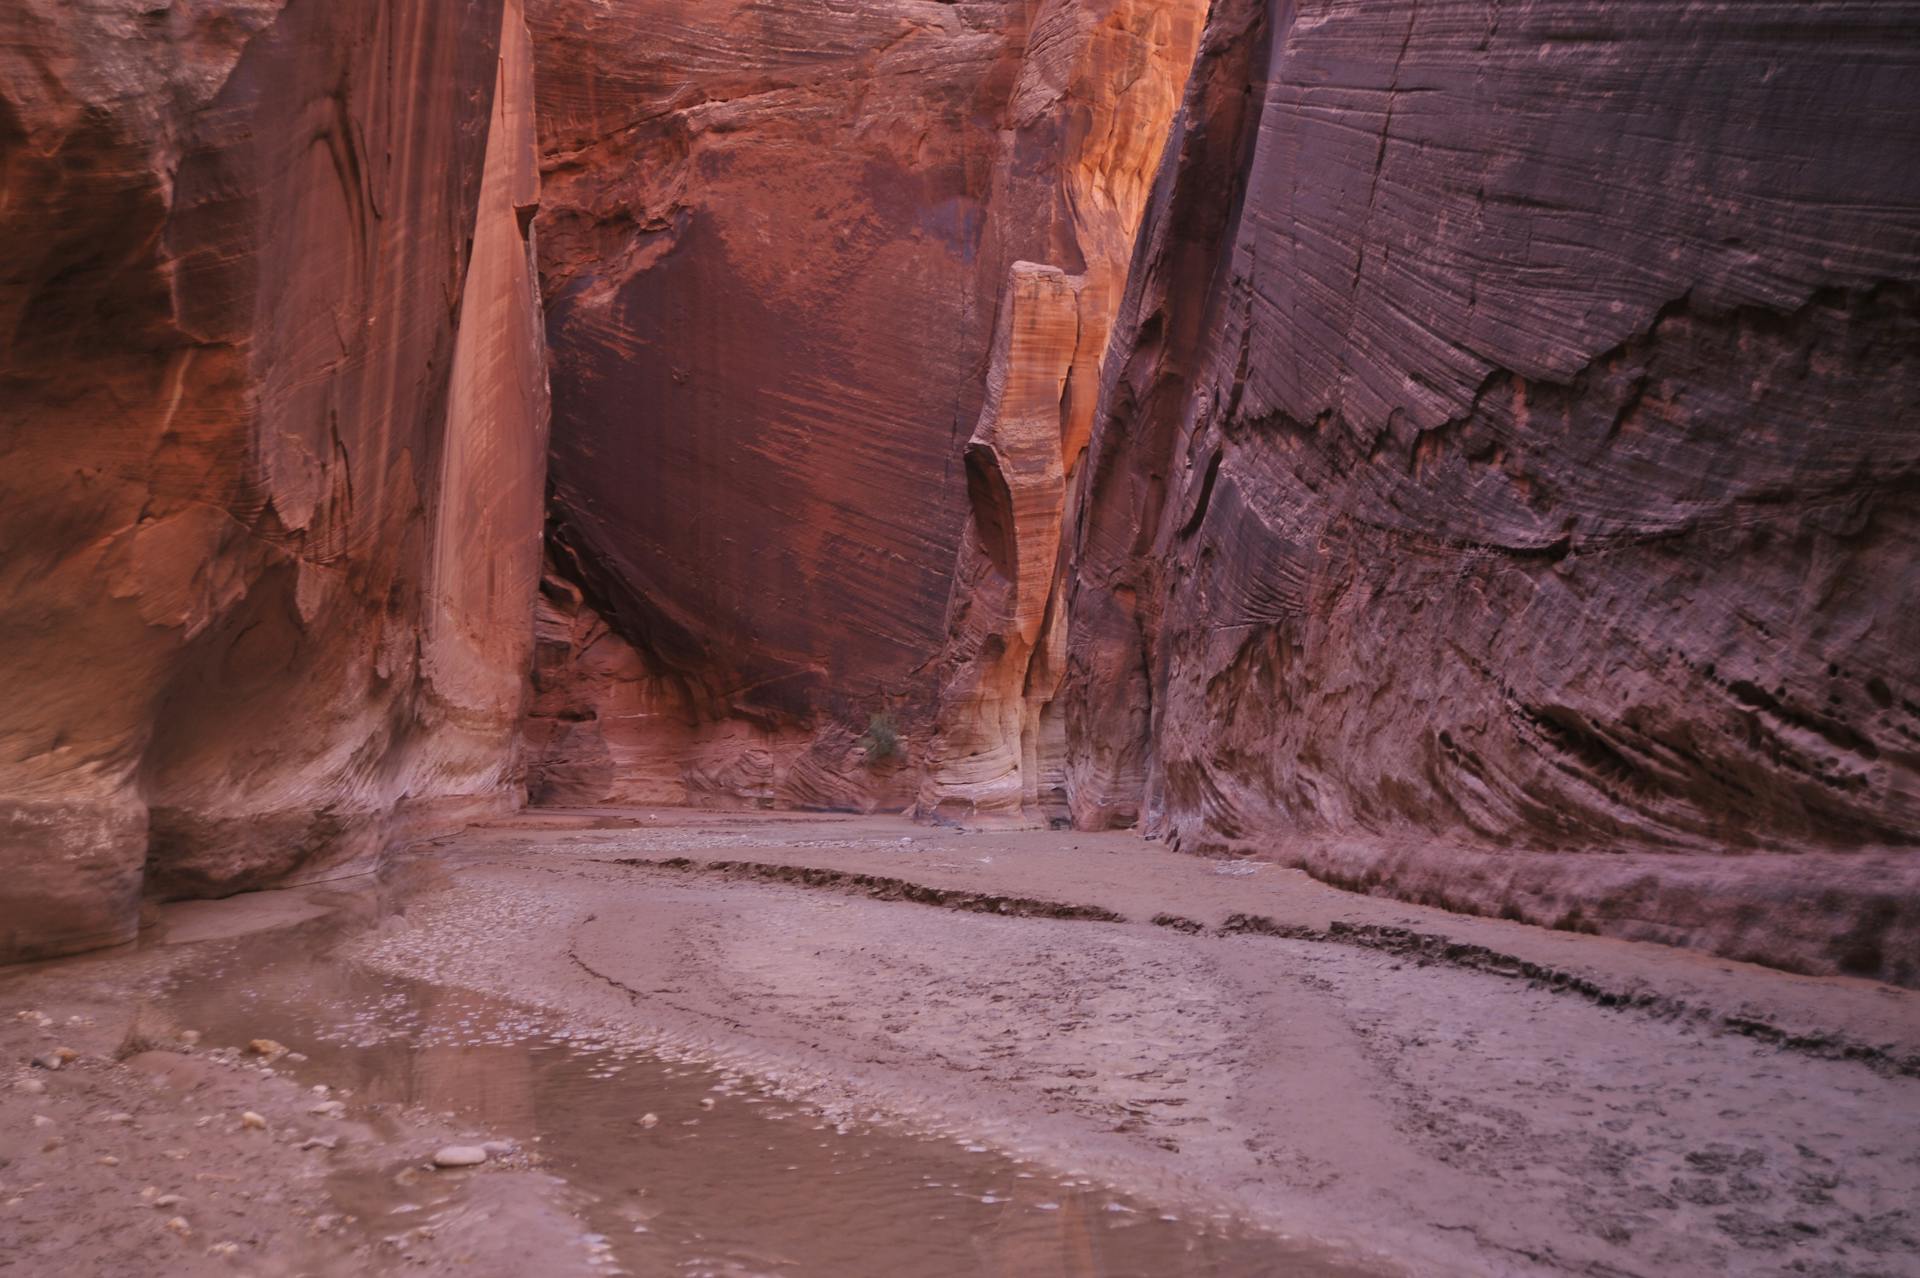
(1508, 458)
(273, 404)
(775, 242)
(1097, 94)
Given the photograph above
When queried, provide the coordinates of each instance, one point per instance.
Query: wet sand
(1360, 1085)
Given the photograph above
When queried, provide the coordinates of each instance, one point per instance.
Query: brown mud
(873, 1048)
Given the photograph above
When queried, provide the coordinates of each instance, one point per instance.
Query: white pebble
(460, 1156)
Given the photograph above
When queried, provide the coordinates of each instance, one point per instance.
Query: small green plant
(881, 740)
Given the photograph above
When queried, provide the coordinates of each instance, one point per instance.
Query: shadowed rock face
(272, 404)
(609, 725)
(1509, 443)
(761, 245)
(775, 242)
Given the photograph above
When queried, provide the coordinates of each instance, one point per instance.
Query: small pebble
(251, 1120)
(168, 1200)
(319, 1142)
(648, 1120)
(31, 1086)
(460, 1156)
(707, 1102)
(107, 1160)
(267, 1047)
(179, 1225)
(41, 1120)
(224, 1249)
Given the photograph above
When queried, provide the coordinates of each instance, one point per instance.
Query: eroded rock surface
(1509, 446)
(608, 725)
(272, 403)
(776, 239)
(1114, 74)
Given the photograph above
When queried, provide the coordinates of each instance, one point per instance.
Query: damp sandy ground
(869, 1047)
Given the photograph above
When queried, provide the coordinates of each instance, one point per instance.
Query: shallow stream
(727, 1178)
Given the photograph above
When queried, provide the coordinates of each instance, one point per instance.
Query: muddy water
(727, 1177)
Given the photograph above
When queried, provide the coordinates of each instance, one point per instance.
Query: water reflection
(728, 1177)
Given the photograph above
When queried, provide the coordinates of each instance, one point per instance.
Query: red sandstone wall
(775, 242)
(272, 404)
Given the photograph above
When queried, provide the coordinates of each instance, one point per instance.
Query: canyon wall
(1465, 450)
(1504, 492)
(776, 239)
(273, 409)
(1498, 489)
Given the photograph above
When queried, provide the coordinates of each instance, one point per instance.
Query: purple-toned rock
(1508, 457)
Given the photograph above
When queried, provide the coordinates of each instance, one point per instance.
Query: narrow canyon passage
(820, 638)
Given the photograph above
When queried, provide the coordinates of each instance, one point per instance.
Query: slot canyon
(960, 637)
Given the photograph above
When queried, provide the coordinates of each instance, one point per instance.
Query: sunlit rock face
(272, 405)
(776, 241)
(1509, 444)
(1097, 95)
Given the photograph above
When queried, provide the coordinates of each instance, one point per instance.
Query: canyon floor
(738, 1044)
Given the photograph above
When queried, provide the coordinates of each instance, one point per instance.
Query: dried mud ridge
(883, 888)
(1421, 947)
(1431, 947)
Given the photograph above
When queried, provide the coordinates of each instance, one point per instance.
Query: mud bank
(1441, 1093)
(158, 1145)
(1046, 1039)
(261, 1088)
